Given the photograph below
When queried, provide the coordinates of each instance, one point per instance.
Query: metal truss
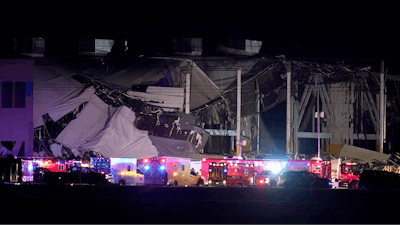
(341, 102)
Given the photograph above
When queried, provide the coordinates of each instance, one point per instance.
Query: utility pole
(382, 108)
(318, 118)
(239, 104)
(187, 103)
(288, 77)
(258, 117)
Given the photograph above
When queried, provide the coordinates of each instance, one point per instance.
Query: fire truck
(169, 171)
(24, 170)
(240, 174)
(266, 171)
(342, 174)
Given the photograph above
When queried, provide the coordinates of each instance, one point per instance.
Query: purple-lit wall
(16, 124)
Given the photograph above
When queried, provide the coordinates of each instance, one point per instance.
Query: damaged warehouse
(110, 87)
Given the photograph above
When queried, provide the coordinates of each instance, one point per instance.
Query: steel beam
(352, 114)
(329, 135)
(382, 108)
(327, 99)
(288, 108)
(304, 100)
(371, 113)
(217, 132)
(371, 101)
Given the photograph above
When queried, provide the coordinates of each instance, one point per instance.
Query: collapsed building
(136, 107)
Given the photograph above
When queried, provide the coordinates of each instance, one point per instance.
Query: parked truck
(28, 170)
(266, 171)
(342, 173)
(75, 176)
(240, 174)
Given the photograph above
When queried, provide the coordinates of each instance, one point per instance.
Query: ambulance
(121, 171)
(169, 171)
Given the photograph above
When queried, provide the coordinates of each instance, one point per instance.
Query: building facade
(16, 107)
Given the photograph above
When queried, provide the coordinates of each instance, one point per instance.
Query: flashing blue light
(147, 167)
(225, 170)
(30, 167)
(162, 167)
(210, 170)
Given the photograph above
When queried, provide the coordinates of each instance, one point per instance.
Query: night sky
(297, 30)
(361, 30)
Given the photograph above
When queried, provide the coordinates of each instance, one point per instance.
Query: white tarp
(165, 72)
(49, 95)
(88, 123)
(167, 97)
(56, 149)
(173, 147)
(121, 138)
(53, 85)
(353, 152)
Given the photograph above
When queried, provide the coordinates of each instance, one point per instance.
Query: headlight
(267, 180)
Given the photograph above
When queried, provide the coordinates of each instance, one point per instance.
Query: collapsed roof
(108, 112)
(123, 82)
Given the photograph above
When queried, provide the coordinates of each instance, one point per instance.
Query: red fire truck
(20, 170)
(322, 168)
(342, 174)
(239, 173)
(266, 170)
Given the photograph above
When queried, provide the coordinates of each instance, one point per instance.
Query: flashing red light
(317, 161)
(261, 180)
(204, 159)
(102, 172)
(146, 160)
(163, 160)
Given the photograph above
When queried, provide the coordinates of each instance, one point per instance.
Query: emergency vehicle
(52, 164)
(266, 171)
(321, 168)
(21, 170)
(342, 174)
(169, 171)
(240, 174)
(120, 171)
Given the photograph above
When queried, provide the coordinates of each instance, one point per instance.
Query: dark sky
(297, 30)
